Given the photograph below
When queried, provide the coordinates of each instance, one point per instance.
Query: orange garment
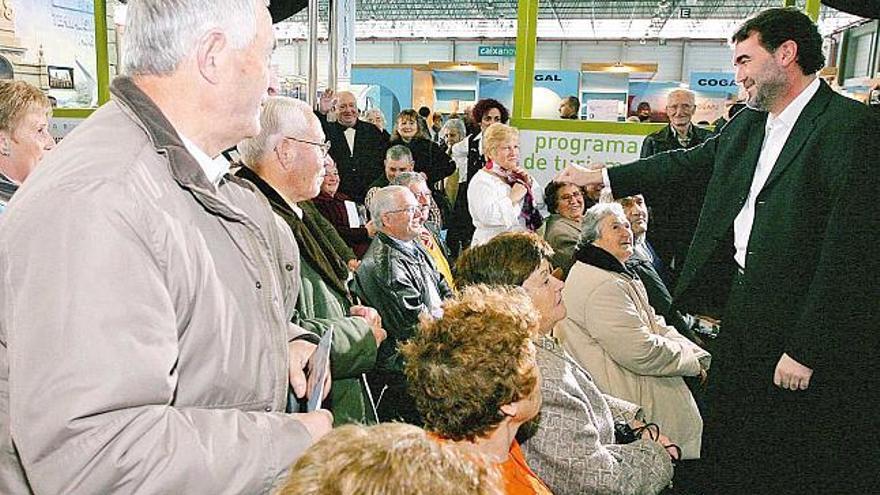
(518, 478)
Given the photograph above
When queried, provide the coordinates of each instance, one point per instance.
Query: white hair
(407, 179)
(160, 34)
(593, 218)
(384, 200)
(280, 116)
(375, 111)
(683, 91)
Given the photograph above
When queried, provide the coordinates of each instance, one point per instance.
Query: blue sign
(496, 51)
(714, 82)
(562, 82)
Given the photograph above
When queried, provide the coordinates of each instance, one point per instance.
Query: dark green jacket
(319, 306)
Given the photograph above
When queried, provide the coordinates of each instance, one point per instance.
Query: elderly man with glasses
(674, 217)
(399, 278)
(286, 163)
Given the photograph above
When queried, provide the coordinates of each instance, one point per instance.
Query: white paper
(354, 220)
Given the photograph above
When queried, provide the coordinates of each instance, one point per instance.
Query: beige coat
(144, 320)
(632, 354)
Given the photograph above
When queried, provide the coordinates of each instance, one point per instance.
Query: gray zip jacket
(144, 320)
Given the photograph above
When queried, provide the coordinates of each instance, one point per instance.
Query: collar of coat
(313, 244)
(183, 167)
(598, 257)
(696, 135)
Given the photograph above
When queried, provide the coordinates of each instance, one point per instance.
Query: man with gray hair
(398, 159)
(286, 163)
(400, 279)
(147, 346)
(429, 237)
(357, 147)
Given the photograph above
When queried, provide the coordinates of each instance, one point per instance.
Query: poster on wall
(60, 35)
(603, 110)
(653, 95)
(545, 153)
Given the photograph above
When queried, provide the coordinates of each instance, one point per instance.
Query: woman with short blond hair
(502, 196)
(391, 459)
(24, 134)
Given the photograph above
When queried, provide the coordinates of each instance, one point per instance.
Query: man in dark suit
(357, 147)
(784, 220)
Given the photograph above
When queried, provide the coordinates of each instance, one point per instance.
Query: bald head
(346, 109)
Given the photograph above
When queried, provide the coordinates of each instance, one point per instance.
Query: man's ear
(510, 409)
(212, 49)
(285, 150)
(787, 53)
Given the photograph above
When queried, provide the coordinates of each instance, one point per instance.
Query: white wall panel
(419, 52)
(547, 55)
(708, 56)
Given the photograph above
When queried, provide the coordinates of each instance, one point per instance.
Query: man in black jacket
(784, 216)
(399, 278)
(357, 147)
(675, 216)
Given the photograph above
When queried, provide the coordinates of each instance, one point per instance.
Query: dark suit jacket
(460, 224)
(810, 289)
(361, 166)
(659, 296)
(811, 285)
(674, 215)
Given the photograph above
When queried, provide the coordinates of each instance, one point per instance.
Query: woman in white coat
(614, 333)
(502, 196)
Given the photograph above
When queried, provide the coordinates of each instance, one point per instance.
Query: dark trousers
(394, 403)
(759, 438)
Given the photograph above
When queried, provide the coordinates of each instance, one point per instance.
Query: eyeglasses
(569, 197)
(410, 210)
(325, 146)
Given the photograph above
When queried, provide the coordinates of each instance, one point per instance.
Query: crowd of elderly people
(160, 330)
(520, 383)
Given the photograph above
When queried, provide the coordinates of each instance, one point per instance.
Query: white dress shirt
(777, 129)
(349, 137)
(776, 132)
(460, 155)
(214, 168)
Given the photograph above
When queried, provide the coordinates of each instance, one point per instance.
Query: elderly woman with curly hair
(473, 375)
(613, 332)
(572, 444)
(503, 197)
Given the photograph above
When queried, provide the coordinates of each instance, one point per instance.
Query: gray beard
(768, 93)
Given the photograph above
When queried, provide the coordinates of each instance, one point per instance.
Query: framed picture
(60, 77)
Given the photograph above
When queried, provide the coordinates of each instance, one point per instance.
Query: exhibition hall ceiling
(576, 19)
(563, 9)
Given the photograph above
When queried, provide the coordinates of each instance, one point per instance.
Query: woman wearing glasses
(502, 196)
(566, 203)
